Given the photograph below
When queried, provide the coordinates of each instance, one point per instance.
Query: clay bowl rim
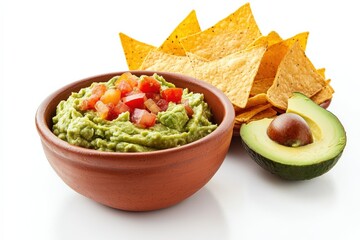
(111, 160)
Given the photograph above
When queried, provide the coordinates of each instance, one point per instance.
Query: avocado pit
(290, 129)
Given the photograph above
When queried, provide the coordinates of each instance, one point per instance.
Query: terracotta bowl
(139, 181)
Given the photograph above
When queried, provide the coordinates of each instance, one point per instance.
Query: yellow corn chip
(231, 34)
(261, 86)
(267, 113)
(163, 62)
(272, 38)
(321, 71)
(233, 74)
(134, 50)
(324, 94)
(256, 100)
(188, 26)
(259, 99)
(275, 54)
(295, 74)
(272, 58)
(246, 116)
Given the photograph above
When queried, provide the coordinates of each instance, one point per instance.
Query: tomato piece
(152, 106)
(134, 100)
(149, 85)
(111, 96)
(162, 104)
(98, 90)
(121, 108)
(142, 118)
(188, 109)
(96, 93)
(102, 109)
(88, 103)
(111, 115)
(172, 94)
(124, 87)
(154, 96)
(129, 78)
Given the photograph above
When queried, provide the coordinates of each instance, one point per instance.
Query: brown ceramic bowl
(139, 181)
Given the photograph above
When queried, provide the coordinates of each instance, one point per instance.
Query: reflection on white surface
(199, 217)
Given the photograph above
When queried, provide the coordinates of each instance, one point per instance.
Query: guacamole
(173, 124)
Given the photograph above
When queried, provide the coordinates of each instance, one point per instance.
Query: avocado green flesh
(304, 162)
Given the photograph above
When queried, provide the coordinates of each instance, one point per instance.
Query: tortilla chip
(233, 74)
(261, 86)
(188, 26)
(296, 73)
(163, 62)
(252, 101)
(134, 50)
(272, 38)
(256, 100)
(321, 71)
(247, 115)
(231, 34)
(267, 113)
(275, 54)
(325, 94)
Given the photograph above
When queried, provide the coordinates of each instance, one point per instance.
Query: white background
(47, 44)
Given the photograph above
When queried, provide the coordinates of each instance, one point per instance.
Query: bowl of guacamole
(130, 113)
(136, 140)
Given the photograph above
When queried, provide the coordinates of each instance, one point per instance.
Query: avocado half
(297, 163)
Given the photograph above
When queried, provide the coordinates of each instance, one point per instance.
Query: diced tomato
(98, 90)
(111, 113)
(152, 106)
(88, 103)
(124, 87)
(96, 93)
(121, 108)
(135, 100)
(142, 118)
(189, 110)
(126, 83)
(102, 109)
(154, 96)
(111, 96)
(129, 78)
(149, 85)
(172, 94)
(162, 104)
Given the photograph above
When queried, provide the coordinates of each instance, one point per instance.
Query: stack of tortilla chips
(258, 73)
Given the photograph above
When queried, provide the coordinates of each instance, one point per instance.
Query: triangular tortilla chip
(321, 71)
(163, 62)
(324, 94)
(275, 53)
(272, 58)
(296, 73)
(231, 34)
(188, 26)
(272, 38)
(252, 111)
(233, 74)
(261, 86)
(134, 50)
(267, 113)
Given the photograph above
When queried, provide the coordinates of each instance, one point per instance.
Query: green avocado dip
(87, 118)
